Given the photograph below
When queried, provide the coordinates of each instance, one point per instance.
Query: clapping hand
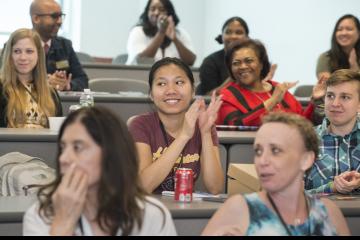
(281, 89)
(353, 60)
(271, 73)
(319, 89)
(190, 119)
(208, 115)
(162, 23)
(171, 30)
(60, 81)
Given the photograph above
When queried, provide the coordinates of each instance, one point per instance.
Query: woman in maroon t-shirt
(178, 134)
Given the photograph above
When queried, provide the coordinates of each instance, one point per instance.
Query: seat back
(199, 185)
(115, 85)
(304, 91)
(84, 57)
(120, 59)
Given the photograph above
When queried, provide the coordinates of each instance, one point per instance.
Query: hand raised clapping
(206, 116)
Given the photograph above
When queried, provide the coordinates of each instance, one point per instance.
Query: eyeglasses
(54, 15)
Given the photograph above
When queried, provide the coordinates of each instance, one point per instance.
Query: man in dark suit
(65, 72)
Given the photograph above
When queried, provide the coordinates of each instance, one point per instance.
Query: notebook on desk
(236, 128)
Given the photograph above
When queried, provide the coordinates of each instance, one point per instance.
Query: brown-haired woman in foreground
(97, 189)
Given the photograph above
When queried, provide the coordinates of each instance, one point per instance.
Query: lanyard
(280, 217)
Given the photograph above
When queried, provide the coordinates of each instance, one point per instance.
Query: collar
(324, 128)
(48, 43)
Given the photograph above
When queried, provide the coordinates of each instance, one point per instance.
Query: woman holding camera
(157, 35)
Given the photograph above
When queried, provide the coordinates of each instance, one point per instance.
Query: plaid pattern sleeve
(337, 155)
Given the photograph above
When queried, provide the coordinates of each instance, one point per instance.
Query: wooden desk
(189, 218)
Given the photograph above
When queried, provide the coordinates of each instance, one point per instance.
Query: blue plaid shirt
(337, 155)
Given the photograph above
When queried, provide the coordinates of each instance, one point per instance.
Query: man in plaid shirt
(337, 168)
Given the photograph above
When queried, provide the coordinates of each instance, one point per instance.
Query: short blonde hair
(304, 127)
(342, 76)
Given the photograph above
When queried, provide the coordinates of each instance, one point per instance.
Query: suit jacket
(61, 56)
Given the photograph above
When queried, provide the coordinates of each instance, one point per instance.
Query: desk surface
(27, 135)
(13, 208)
(230, 137)
(125, 67)
(40, 135)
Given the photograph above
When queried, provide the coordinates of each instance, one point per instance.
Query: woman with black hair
(343, 54)
(249, 95)
(179, 134)
(213, 71)
(157, 35)
(345, 48)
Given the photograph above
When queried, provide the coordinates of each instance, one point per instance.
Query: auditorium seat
(115, 85)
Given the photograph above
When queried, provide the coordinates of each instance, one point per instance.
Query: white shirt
(138, 42)
(155, 222)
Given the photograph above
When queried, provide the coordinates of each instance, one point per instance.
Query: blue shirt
(337, 155)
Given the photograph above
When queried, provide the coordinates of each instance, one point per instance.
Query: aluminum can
(183, 184)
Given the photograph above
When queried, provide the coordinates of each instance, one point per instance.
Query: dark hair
(259, 50)
(338, 58)
(304, 127)
(151, 30)
(342, 76)
(230, 20)
(119, 185)
(168, 61)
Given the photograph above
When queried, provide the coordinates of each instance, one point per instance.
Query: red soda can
(183, 184)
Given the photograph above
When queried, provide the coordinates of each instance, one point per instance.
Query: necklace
(297, 221)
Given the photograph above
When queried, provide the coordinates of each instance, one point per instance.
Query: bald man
(65, 72)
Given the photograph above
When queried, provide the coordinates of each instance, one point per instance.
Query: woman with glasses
(157, 35)
(248, 97)
(63, 66)
(26, 99)
(179, 134)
